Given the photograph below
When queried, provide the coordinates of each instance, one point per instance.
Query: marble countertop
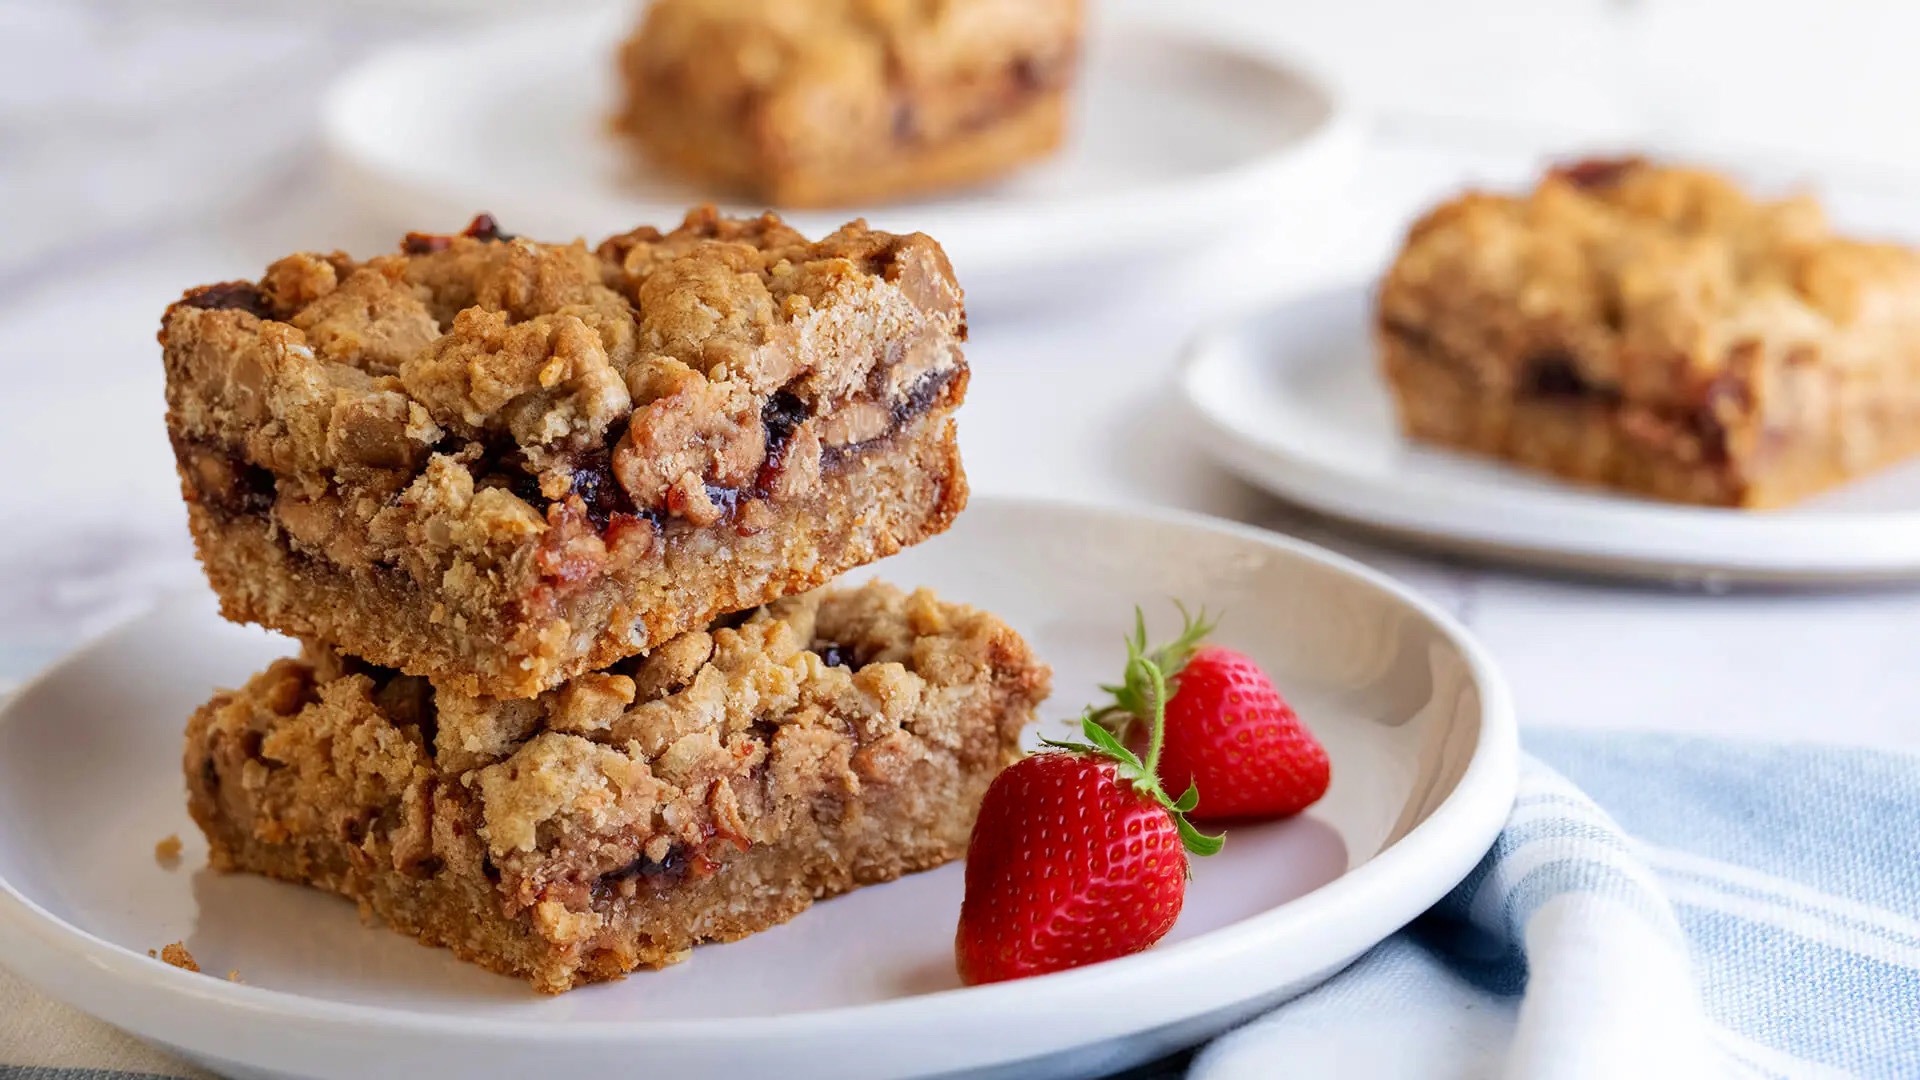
(147, 147)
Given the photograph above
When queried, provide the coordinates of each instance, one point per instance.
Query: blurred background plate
(1176, 138)
(1291, 399)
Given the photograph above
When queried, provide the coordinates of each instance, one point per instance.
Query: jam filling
(1555, 375)
(660, 876)
(1592, 174)
(482, 227)
(225, 481)
(782, 415)
(230, 296)
(1007, 92)
(1552, 376)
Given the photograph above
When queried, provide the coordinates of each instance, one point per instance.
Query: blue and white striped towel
(1657, 906)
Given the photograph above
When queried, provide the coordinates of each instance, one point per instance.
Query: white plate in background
(1417, 722)
(1291, 398)
(1175, 138)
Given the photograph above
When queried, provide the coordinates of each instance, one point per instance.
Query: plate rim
(1611, 534)
(1073, 228)
(1446, 844)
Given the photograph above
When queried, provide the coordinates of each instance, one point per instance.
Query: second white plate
(1291, 399)
(1174, 137)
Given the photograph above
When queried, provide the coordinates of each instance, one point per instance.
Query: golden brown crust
(499, 463)
(709, 791)
(1654, 329)
(831, 102)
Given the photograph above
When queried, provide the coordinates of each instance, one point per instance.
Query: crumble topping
(1649, 281)
(437, 408)
(542, 382)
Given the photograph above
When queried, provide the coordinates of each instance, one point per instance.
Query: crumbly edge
(778, 101)
(652, 589)
(716, 787)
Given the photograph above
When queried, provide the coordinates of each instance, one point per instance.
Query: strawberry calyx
(1132, 702)
(1146, 682)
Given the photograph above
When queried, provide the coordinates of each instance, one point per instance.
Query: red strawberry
(1076, 857)
(1229, 732)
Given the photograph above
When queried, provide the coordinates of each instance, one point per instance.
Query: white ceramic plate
(1291, 399)
(1416, 720)
(1174, 137)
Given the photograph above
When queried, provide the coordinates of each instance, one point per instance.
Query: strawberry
(1076, 856)
(1229, 733)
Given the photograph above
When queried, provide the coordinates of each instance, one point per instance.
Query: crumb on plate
(167, 851)
(177, 955)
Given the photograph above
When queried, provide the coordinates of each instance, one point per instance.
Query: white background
(147, 146)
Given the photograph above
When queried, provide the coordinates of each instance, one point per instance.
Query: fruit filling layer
(1553, 377)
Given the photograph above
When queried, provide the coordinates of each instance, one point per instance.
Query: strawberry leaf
(1187, 802)
(1109, 743)
(1131, 704)
(1197, 842)
(1173, 656)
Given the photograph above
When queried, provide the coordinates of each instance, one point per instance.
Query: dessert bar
(715, 788)
(828, 102)
(1656, 330)
(502, 463)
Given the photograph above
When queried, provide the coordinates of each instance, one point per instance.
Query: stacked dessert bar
(552, 523)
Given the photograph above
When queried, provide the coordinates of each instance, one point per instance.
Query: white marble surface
(146, 147)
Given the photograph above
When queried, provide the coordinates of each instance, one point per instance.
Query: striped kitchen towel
(1657, 906)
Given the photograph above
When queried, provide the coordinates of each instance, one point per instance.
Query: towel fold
(1657, 906)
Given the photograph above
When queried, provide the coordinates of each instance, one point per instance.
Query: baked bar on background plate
(831, 102)
(714, 789)
(1656, 330)
(502, 463)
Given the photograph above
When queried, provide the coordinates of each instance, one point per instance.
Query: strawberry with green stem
(1078, 854)
(1229, 734)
